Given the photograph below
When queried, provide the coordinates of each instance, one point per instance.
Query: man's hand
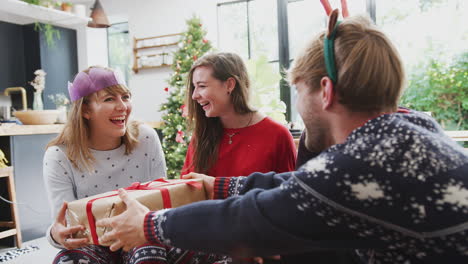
(208, 182)
(63, 234)
(127, 228)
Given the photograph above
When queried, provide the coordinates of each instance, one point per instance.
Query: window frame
(284, 58)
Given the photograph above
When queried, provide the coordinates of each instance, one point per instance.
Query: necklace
(230, 135)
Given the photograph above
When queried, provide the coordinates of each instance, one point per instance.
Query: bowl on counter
(37, 117)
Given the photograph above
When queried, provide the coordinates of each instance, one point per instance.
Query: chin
(121, 132)
(208, 114)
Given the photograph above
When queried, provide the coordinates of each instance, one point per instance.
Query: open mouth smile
(120, 120)
(203, 105)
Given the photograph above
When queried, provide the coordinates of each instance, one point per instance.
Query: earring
(229, 92)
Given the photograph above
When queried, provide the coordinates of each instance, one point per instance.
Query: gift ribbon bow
(166, 198)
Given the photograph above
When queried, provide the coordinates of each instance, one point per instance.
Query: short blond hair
(369, 69)
(75, 134)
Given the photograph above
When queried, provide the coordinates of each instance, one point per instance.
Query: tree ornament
(184, 110)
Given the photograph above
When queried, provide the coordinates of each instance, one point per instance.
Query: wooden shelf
(22, 13)
(153, 55)
(151, 67)
(156, 46)
(154, 49)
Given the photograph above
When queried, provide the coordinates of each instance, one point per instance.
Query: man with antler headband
(386, 183)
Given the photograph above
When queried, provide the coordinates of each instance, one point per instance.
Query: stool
(13, 225)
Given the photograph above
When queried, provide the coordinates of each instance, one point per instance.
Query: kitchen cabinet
(24, 147)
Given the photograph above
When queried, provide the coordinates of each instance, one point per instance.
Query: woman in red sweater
(229, 137)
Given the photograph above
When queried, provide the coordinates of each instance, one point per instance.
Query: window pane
(424, 29)
(119, 49)
(307, 18)
(232, 28)
(432, 38)
(265, 93)
(355, 7)
(263, 24)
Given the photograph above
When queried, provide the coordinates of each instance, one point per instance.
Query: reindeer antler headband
(329, 41)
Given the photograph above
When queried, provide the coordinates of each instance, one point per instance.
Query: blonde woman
(100, 149)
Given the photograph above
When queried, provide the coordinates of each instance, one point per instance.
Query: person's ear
(327, 92)
(230, 84)
(85, 111)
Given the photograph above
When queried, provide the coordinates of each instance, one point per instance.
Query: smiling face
(210, 93)
(107, 112)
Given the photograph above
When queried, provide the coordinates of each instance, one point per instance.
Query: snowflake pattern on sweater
(398, 184)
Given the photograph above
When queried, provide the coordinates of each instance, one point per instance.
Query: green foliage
(193, 46)
(49, 31)
(265, 91)
(33, 2)
(424, 5)
(441, 88)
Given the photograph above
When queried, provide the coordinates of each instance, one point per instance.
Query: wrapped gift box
(155, 195)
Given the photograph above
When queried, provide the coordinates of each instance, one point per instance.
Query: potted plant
(50, 32)
(67, 6)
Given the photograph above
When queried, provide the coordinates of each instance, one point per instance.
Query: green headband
(329, 52)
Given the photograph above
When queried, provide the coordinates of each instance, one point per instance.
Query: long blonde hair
(209, 131)
(76, 132)
(370, 71)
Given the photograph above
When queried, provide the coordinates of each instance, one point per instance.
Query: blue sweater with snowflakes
(395, 192)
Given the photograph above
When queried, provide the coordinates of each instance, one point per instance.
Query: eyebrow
(106, 94)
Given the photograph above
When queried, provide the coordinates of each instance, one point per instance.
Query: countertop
(16, 130)
(7, 129)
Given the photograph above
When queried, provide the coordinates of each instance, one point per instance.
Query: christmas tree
(175, 141)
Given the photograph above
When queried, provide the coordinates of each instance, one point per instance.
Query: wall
(24, 50)
(12, 54)
(60, 62)
(12, 64)
(153, 18)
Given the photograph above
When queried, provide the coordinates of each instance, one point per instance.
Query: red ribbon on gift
(166, 198)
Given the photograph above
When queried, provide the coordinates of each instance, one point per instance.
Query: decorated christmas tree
(175, 142)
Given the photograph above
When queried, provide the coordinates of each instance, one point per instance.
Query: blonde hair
(369, 69)
(209, 131)
(75, 134)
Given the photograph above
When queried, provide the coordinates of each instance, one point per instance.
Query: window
(119, 49)
(431, 37)
(420, 29)
(249, 28)
(424, 29)
(233, 35)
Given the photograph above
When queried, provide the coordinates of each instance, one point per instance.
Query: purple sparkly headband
(95, 80)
